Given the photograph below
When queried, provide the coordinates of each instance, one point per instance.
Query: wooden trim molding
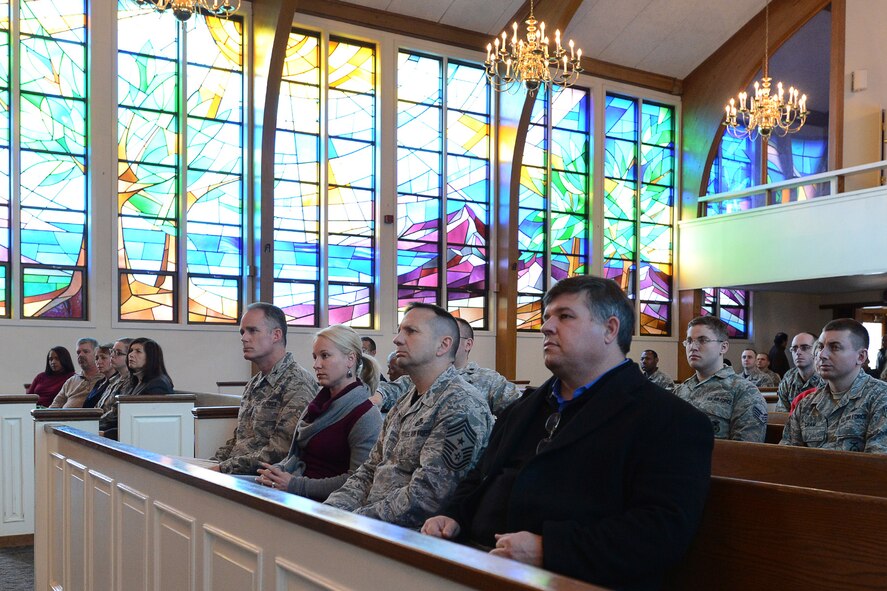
(215, 412)
(66, 414)
(143, 398)
(18, 398)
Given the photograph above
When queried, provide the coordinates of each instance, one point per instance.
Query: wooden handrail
(18, 398)
(215, 412)
(66, 414)
(156, 398)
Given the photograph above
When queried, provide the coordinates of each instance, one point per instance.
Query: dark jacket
(618, 494)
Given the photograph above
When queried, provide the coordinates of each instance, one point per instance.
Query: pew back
(757, 535)
(162, 424)
(841, 471)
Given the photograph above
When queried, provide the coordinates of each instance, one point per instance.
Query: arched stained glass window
(180, 126)
(553, 209)
(639, 189)
(44, 166)
(443, 185)
(325, 182)
(731, 306)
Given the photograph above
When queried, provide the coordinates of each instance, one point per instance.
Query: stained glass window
(639, 190)
(52, 171)
(180, 168)
(5, 236)
(553, 202)
(443, 180)
(325, 182)
(731, 306)
(736, 166)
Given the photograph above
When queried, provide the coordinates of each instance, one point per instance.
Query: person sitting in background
(147, 372)
(849, 411)
(394, 371)
(368, 347)
(737, 410)
(500, 393)
(802, 376)
(763, 364)
(650, 367)
(120, 385)
(336, 432)
(106, 368)
(778, 360)
(74, 391)
(751, 372)
(47, 383)
(273, 399)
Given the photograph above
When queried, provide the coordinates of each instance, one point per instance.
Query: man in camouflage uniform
(763, 364)
(431, 438)
(273, 399)
(751, 372)
(499, 391)
(736, 408)
(650, 366)
(849, 411)
(802, 376)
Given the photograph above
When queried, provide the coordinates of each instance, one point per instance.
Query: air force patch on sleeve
(459, 446)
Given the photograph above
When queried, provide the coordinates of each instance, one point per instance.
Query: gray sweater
(361, 439)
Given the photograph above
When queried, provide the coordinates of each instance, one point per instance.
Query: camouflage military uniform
(661, 379)
(269, 412)
(499, 392)
(426, 448)
(736, 408)
(773, 375)
(857, 422)
(759, 378)
(792, 385)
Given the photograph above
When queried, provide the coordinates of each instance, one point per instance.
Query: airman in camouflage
(650, 367)
(762, 361)
(849, 411)
(431, 438)
(793, 384)
(736, 408)
(273, 399)
(754, 375)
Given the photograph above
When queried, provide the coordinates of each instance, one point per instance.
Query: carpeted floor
(17, 568)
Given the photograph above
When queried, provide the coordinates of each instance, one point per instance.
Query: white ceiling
(668, 37)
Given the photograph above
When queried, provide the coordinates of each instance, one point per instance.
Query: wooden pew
(840, 471)
(758, 535)
(213, 427)
(111, 516)
(775, 426)
(162, 424)
(770, 397)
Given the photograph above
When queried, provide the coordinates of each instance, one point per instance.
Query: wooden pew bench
(775, 426)
(759, 535)
(177, 526)
(840, 471)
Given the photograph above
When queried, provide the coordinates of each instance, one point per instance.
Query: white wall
(865, 47)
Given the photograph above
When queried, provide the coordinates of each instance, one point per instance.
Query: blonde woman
(340, 426)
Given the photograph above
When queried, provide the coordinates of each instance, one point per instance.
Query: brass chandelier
(765, 113)
(183, 9)
(532, 62)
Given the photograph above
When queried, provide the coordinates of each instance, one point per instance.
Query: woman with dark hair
(47, 383)
(146, 369)
(339, 428)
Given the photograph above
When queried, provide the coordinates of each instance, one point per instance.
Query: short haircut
(464, 324)
(655, 354)
(89, 340)
(815, 337)
(273, 315)
(780, 338)
(605, 300)
(444, 324)
(713, 323)
(857, 331)
(154, 365)
(369, 342)
(750, 349)
(64, 358)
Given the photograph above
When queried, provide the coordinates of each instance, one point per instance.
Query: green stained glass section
(53, 163)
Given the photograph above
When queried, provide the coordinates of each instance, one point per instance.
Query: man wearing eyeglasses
(802, 376)
(598, 474)
(848, 412)
(736, 408)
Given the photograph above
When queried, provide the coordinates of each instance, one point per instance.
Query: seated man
(763, 364)
(751, 372)
(849, 411)
(598, 474)
(368, 346)
(273, 399)
(394, 372)
(737, 409)
(802, 376)
(431, 438)
(499, 391)
(77, 387)
(650, 367)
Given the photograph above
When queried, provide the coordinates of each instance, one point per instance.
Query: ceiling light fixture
(531, 62)
(183, 9)
(765, 113)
